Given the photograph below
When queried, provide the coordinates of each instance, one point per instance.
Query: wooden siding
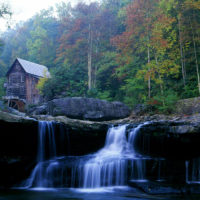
(16, 82)
(32, 94)
(22, 85)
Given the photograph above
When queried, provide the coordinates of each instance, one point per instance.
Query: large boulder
(86, 108)
(188, 106)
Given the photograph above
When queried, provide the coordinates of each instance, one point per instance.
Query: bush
(165, 104)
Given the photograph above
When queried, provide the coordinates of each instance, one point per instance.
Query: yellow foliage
(41, 83)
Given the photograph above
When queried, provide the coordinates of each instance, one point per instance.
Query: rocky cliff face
(170, 140)
(175, 139)
(19, 142)
(181, 134)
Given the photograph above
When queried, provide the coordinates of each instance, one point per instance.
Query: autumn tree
(147, 47)
(141, 51)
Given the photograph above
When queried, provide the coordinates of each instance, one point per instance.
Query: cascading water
(109, 166)
(46, 151)
(113, 165)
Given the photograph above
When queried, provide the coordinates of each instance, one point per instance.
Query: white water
(108, 162)
(46, 149)
(131, 138)
(110, 166)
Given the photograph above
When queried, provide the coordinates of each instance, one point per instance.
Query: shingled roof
(33, 68)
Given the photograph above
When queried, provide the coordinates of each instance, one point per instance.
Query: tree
(5, 11)
(41, 44)
(189, 37)
(149, 46)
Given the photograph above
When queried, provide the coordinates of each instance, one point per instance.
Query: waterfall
(46, 150)
(116, 164)
(112, 165)
(132, 136)
(109, 166)
(46, 133)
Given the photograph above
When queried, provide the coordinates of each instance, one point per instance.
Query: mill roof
(33, 68)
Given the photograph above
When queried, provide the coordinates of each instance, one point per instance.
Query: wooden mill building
(22, 78)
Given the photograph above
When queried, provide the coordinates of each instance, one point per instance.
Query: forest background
(134, 51)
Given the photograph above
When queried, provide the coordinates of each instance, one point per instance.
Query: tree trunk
(181, 51)
(96, 57)
(184, 63)
(195, 56)
(148, 55)
(149, 76)
(161, 85)
(90, 59)
(95, 69)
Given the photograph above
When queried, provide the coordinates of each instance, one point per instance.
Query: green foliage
(42, 41)
(190, 91)
(2, 90)
(134, 92)
(165, 103)
(104, 96)
(94, 93)
(139, 50)
(107, 82)
(41, 84)
(64, 82)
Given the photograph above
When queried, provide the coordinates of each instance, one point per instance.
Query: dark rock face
(19, 145)
(169, 139)
(169, 143)
(18, 150)
(84, 108)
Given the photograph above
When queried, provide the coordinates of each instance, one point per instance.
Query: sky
(25, 9)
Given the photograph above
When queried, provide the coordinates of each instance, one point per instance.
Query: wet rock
(155, 188)
(76, 124)
(21, 118)
(38, 110)
(183, 129)
(163, 188)
(169, 139)
(14, 169)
